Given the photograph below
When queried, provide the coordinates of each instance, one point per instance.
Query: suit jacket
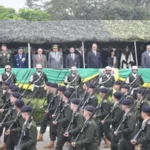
(55, 61)
(20, 62)
(43, 61)
(145, 60)
(94, 61)
(80, 58)
(70, 62)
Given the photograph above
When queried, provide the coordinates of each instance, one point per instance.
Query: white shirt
(94, 52)
(8, 73)
(72, 55)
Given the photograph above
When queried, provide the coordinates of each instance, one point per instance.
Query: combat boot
(40, 137)
(107, 143)
(50, 145)
(67, 144)
(3, 146)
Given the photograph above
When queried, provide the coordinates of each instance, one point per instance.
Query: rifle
(141, 129)
(17, 147)
(15, 120)
(99, 106)
(125, 116)
(62, 110)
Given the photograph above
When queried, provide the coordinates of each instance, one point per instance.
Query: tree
(94, 9)
(7, 13)
(33, 15)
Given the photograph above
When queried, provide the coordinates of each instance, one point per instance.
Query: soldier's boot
(3, 146)
(40, 137)
(136, 147)
(50, 145)
(67, 144)
(107, 144)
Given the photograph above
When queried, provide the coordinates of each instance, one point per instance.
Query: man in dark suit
(94, 58)
(80, 54)
(146, 58)
(20, 59)
(72, 59)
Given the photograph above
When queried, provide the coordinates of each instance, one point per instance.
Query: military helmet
(134, 68)
(7, 67)
(73, 68)
(38, 66)
(108, 68)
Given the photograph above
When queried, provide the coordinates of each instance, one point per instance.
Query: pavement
(46, 140)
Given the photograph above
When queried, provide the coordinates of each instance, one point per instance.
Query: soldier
(89, 139)
(103, 129)
(20, 59)
(5, 56)
(73, 80)
(54, 102)
(135, 80)
(8, 76)
(38, 79)
(76, 125)
(30, 132)
(117, 86)
(138, 109)
(125, 91)
(65, 117)
(128, 126)
(55, 58)
(48, 87)
(91, 99)
(107, 80)
(114, 119)
(143, 137)
(10, 113)
(15, 130)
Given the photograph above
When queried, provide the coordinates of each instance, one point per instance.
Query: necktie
(40, 57)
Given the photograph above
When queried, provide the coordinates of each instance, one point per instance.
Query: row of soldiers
(75, 115)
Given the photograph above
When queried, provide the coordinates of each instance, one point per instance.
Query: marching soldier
(20, 59)
(10, 114)
(76, 125)
(117, 86)
(107, 80)
(142, 137)
(53, 104)
(14, 132)
(73, 80)
(125, 91)
(5, 56)
(128, 126)
(140, 104)
(89, 137)
(135, 80)
(91, 99)
(8, 76)
(114, 119)
(48, 87)
(103, 129)
(38, 79)
(64, 120)
(30, 133)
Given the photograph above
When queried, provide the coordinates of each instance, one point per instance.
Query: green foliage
(94, 9)
(33, 15)
(38, 111)
(23, 14)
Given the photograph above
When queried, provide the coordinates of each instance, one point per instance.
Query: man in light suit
(20, 59)
(145, 60)
(72, 59)
(55, 58)
(40, 59)
(94, 58)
